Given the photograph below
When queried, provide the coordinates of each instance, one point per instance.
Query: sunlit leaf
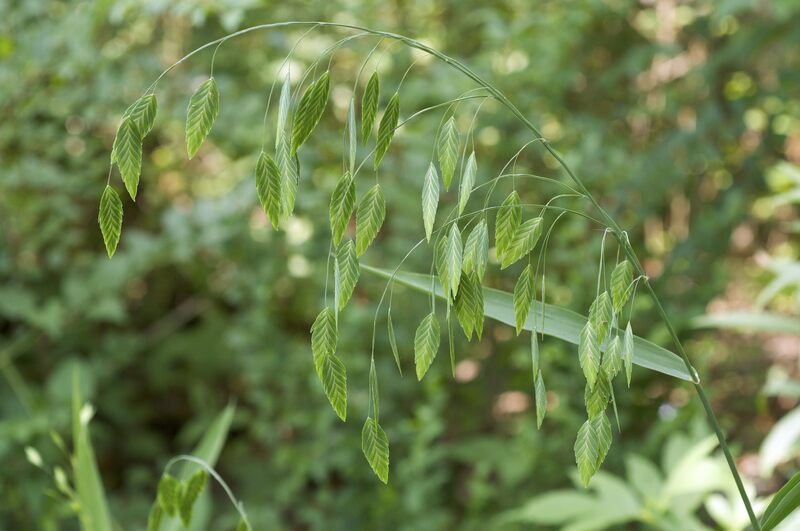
(200, 116)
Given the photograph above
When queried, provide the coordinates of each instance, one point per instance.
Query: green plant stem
(618, 232)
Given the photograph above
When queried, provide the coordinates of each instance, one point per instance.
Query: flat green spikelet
(200, 115)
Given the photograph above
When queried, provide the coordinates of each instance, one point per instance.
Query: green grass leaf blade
(784, 503)
(200, 115)
(557, 322)
(94, 512)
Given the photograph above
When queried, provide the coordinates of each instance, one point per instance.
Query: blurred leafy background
(683, 117)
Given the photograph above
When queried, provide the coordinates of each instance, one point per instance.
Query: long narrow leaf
(558, 322)
(94, 512)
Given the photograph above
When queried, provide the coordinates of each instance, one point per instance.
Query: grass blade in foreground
(782, 505)
(94, 512)
(558, 322)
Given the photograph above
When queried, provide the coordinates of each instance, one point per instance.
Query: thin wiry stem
(605, 217)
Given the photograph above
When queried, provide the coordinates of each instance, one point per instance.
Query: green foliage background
(672, 114)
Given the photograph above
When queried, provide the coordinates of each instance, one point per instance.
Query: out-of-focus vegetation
(684, 117)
